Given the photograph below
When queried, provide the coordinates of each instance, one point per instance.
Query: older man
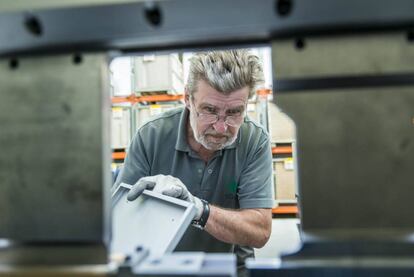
(211, 154)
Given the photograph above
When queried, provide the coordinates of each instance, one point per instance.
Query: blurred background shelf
(147, 98)
(282, 150)
(290, 210)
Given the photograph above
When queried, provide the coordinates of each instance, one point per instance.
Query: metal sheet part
(189, 264)
(179, 263)
(153, 221)
(54, 140)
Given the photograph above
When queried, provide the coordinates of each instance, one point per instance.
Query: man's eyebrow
(208, 105)
(237, 108)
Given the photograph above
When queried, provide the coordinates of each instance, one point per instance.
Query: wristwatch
(201, 223)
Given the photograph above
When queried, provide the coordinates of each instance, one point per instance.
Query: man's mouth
(217, 138)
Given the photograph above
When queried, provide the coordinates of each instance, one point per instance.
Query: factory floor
(284, 239)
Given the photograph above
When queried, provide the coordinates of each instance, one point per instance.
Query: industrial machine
(343, 71)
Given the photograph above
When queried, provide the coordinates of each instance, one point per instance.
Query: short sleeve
(136, 163)
(255, 185)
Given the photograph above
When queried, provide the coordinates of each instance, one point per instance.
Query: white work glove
(167, 185)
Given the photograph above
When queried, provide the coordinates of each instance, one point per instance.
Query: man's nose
(220, 126)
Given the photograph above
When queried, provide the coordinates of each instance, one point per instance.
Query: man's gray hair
(226, 71)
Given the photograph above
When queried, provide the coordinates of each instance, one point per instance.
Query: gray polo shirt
(239, 176)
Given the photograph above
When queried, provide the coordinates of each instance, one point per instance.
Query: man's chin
(216, 146)
(212, 146)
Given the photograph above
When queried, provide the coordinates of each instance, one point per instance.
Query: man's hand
(167, 185)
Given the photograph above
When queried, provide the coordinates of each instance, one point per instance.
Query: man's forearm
(250, 227)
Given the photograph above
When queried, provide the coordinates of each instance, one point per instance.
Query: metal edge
(221, 23)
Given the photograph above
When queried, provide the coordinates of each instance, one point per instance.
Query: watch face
(197, 225)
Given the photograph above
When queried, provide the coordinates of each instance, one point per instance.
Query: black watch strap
(201, 223)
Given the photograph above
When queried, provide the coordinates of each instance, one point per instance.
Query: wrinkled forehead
(221, 103)
(212, 97)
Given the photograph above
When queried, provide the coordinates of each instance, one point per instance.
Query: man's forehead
(227, 102)
(218, 99)
(205, 90)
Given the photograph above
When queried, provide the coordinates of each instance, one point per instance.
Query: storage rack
(285, 208)
(119, 154)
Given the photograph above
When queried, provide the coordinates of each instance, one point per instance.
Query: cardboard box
(120, 127)
(285, 185)
(158, 73)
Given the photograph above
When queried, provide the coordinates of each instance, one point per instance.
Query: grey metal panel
(355, 151)
(153, 221)
(326, 270)
(54, 162)
(344, 266)
(18, 5)
(20, 256)
(355, 147)
(171, 24)
(58, 270)
(348, 61)
(344, 82)
(347, 55)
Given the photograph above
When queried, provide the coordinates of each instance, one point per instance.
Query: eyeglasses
(210, 117)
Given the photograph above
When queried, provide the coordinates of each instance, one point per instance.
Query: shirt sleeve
(136, 163)
(255, 185)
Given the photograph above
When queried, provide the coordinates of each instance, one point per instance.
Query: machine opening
(152, 86)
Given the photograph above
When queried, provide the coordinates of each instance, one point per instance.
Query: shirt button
(210, 171)
(200, 170)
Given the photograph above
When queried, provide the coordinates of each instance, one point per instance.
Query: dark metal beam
(178, 24)
(343, 82)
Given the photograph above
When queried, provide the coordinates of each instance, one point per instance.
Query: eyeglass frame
(242, 115)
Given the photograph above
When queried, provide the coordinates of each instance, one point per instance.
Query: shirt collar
(182, 144)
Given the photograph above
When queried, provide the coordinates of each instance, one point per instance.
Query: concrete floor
(284, 239)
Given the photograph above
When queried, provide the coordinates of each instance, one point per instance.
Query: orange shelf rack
(118, 155)
(275, 150)
(282, 150)
(166, 97)
(264, 92)
(286, 210)
(147, 98)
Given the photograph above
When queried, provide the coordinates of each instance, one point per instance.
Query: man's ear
(187, 98)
